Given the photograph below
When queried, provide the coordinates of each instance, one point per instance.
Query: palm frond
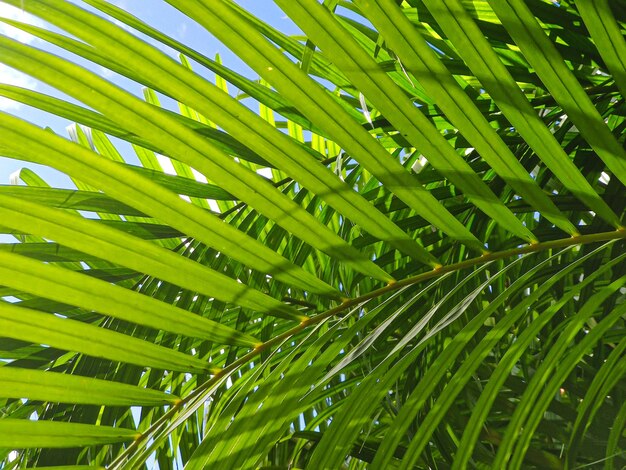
(400, 246)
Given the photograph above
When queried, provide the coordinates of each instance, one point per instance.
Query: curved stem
(352, 302)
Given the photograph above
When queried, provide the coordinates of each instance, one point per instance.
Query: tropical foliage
(401, 247)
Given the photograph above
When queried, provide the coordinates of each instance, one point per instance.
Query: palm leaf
(400, 246)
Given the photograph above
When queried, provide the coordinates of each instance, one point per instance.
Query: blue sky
(155, 12)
